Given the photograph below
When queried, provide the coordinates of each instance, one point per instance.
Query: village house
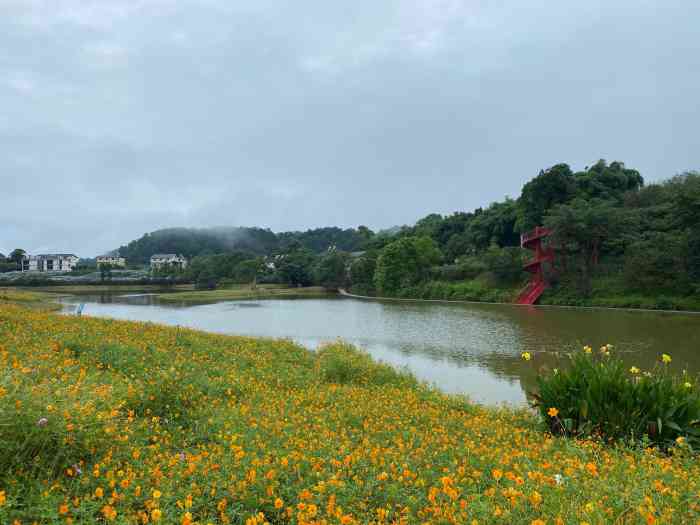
(50, 262)
(167, 260)
(111, 260)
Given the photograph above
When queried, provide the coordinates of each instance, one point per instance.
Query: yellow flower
(3, 498)
(526, 356)
(592, 469)
(535, 498)
(156, 494)
(687, 385)
(634, 370)
(587, 349)
(279, 503)
(99, 492)
(156, 514)
(497, 474)
(186, 519)
(553, 412)
(63, 509)
(666, 358)
(680, 440)
(108, 512)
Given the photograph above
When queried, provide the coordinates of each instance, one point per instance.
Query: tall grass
(344, 364)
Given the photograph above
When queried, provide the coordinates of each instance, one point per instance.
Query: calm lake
(472, 349)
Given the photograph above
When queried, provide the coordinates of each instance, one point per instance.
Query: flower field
(106, 421)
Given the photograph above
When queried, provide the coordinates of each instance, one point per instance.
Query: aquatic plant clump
(105, 421)
(596, 394)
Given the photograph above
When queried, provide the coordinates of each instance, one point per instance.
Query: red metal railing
(537, 233)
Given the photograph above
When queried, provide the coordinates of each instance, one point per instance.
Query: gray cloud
(122, 116)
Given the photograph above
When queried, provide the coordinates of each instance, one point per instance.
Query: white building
(112, 260)
(50, 262)
(167, 260)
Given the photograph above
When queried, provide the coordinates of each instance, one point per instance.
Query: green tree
(248, 271)
(607, 181)
(506, 264)
(428, 226)
(362, 273)
(555, 185)
(332, 270)
(580, 230)
(365, 233)
(6, 265)
(206, 280)
(657, 262)
(17, 256)
(105, 272)
(296, 266)
(404, 263)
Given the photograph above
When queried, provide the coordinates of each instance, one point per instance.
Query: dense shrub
(466, 268)
(597, 395)
(476, 290)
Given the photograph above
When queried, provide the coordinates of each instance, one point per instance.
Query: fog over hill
(220, 239)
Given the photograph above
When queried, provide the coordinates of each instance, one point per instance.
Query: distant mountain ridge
(191, 242)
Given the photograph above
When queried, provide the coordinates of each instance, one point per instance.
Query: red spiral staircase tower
(532, 240)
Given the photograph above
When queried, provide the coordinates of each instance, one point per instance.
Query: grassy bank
(605, 292)
(244, 291)
(98, 288)
(474, 290)
(611, 292)
(123, 422)
(34, 299)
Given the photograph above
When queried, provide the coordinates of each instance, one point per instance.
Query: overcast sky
(119, 117)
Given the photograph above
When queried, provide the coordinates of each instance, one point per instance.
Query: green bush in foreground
(344, 364)
(597, 395)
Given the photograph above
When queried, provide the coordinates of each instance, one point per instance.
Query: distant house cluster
(50, 262)
(111, 260)
(66, 262)
(168, 260)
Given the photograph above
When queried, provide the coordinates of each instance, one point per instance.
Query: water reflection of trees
(550, 334)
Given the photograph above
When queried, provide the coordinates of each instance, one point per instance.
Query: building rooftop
(53, 255)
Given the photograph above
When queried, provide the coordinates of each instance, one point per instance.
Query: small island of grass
(241, 292)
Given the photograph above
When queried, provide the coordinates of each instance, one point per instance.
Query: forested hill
(618, 242)
(192, 242)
